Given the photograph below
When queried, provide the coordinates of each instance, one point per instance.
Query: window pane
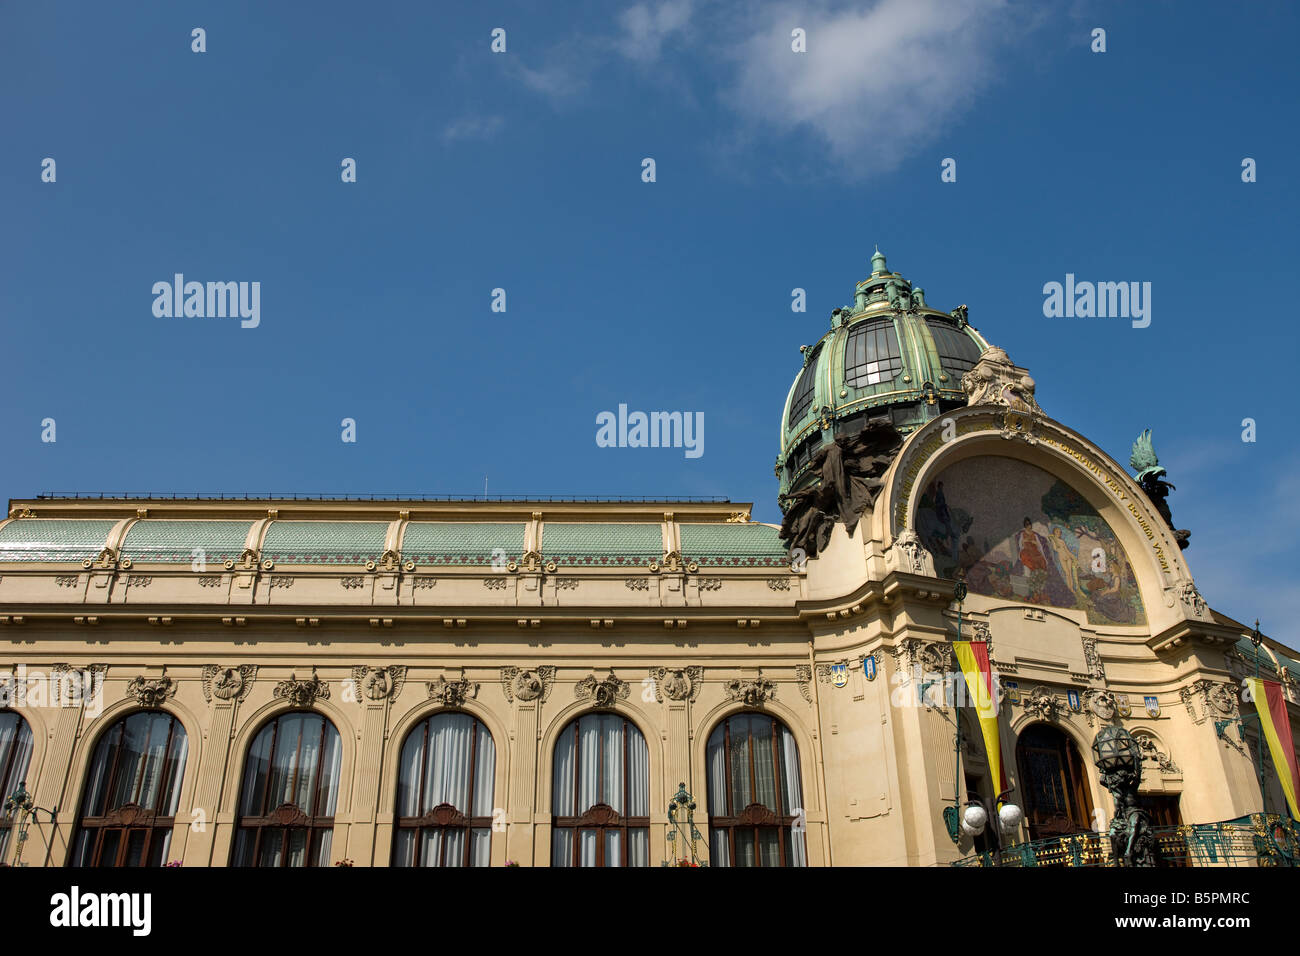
(764, 766)
(958, 352)
(562, 847)
(321, 841)
(272, 847)
(404, 847)
(294, 759)
(255, 774)
(871, 354)
(587, 847)
(453, 849)
(745, 854)
(638, 850)
(742, 793)
(298, 846)
(108, 848)
(611, 765)
(802, 398)
(480, 851)
(15, 751)
(484, 773)
(284, 761)
(719, 848)
(135, 842)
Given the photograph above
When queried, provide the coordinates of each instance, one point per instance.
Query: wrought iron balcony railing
(1253, 840)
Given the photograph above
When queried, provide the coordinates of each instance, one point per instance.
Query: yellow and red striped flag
(973, 658)
(1273, 719)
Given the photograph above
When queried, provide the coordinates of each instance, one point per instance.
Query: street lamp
(977, 816)
(682, 806)
(20, 802)
(1119, 759)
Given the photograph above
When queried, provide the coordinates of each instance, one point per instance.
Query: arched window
(444, 793)
(15, 755)
(601, 794)
(132, 792)
(289, 793)
(802, 399)
(1053, 783)
(958, 352)
(871, 353)
(755, 796)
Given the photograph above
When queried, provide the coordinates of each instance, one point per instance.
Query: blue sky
(522, 171)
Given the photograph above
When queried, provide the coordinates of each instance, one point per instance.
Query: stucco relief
(677, 683)
(527, 684)
(227, 683)
(302, 693)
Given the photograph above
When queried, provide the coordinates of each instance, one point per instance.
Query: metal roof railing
(205, 496)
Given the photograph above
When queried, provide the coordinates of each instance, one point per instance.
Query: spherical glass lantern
(1114, 751)
(1010, 815)
(974, 818)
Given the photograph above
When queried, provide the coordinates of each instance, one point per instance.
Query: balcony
(1253, 840)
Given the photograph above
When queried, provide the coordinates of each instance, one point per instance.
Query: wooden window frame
(444, 818)
(281, 822)
(755, 817)
(130, 817)
(600, 817)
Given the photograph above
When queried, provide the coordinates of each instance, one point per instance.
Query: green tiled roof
(570, 543)
(1247, 650)
(324, 542)
(733, 545)
(174, 542)
(53, 539)
(462, 542)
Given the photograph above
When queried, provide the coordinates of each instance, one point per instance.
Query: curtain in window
(601, 758)
(295, 759)
(796, 848)
(139, 761)
(753, 759)
(449, 758)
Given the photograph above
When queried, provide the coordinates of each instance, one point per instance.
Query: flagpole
(960, 593)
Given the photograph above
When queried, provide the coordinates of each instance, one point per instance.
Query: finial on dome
(878, 263)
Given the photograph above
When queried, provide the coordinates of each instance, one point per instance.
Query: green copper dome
(889, 356)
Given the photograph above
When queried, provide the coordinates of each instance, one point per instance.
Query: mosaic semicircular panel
(1022, 534)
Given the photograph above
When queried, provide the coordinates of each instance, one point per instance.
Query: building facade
(306, 682)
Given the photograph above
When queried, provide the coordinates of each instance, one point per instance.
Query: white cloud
(472, 127)
(875, 84)
(646, 26)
